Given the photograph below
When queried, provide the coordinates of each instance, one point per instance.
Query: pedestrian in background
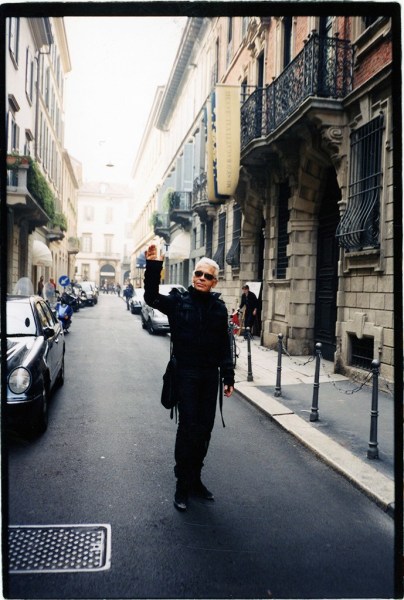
(128, 293)
(250, 302)
(198, 325)
(40, 286)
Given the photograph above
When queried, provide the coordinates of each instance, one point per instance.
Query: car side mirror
(48, 332)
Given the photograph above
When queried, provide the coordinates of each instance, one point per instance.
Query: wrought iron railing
(180, 201)
(199, 192)
(323, 68)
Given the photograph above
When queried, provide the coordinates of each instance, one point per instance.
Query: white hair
(208, 261)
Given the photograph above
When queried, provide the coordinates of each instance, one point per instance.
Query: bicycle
(232, 328)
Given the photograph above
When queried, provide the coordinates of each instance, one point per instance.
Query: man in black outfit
(198, 325)
(250, 301)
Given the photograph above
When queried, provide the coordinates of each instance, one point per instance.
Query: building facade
(41, 182)
(311, 220)
(105, 232)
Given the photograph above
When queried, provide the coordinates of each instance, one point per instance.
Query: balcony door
(327, 269)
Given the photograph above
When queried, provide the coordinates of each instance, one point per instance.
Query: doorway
(327, 269)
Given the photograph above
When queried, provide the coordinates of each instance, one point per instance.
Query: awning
(180, 247)
(41, 255)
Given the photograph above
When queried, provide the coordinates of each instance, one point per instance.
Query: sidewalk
(341, 435)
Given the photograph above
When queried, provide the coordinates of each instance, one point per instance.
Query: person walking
(250, 302)
(40, 286)
(198, 324)
(128, 293)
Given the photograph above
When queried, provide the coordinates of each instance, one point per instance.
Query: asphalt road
(283, 524)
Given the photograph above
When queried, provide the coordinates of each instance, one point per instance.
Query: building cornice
(181, 62)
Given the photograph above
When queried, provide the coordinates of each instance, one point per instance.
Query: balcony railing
(199, 192)
(323, 68)
(180, 208)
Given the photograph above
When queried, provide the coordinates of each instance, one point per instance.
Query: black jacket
(198, 324)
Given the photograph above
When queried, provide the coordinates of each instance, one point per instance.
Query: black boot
(200, 490)
(181, 496)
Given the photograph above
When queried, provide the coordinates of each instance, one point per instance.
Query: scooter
(64, 313)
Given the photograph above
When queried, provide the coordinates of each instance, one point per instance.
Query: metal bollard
(373, 451)
(249, 374)
(316, 386)
(278, 389)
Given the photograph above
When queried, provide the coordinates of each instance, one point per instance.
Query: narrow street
(283, 524)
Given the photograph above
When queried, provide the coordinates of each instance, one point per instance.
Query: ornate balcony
(161, 226)
(323, 69)
(200, 203)
(73, 245)
(180, 208)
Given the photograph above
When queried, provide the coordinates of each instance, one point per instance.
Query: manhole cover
(59, 548)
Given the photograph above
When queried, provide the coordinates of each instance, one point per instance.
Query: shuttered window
(233, 255)
(219, 254)
(283, 236)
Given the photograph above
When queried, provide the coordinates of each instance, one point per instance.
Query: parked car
(96, 289)
(152, 319)
(90, 297)
(35, 360)
(136, 302)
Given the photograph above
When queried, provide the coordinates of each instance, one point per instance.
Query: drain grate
(59, 548)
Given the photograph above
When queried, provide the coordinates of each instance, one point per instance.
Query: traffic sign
(64, 280)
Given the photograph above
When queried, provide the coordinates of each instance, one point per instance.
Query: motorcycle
(64, 313)
(69, 297)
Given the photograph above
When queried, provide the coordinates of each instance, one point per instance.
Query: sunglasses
(207, 276)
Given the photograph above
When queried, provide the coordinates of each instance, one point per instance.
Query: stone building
(105, 232)
(311, 219)
(41, 182)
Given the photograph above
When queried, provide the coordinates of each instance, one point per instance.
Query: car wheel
(150, 328)
(132, 310)
(41, 417)
(144, 323)
(61, 374)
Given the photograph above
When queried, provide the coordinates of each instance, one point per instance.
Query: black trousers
(196, 390)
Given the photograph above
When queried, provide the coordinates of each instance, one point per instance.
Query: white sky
(117, 64)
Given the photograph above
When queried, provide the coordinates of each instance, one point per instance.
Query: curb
(366, 478)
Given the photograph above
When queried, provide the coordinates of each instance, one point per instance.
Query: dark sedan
(35, 361)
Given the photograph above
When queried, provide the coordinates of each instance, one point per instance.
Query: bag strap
(221, 398)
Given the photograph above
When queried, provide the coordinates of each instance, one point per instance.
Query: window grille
(219, 254)
(359, 226)
(361, 352)
(283, 236)
(233, 255)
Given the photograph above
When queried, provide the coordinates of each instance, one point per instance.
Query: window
(203, 234)
(108, 243)
(85, 270)
(29, 76)
(13, 134)
(283, 236)
(219, 254)
(194, 238)
(368, 20)
(86, 242)
(244, 26)
(359, 226)
(14, 33)
(209, 239)
(361, 352)
(109, 214)
(229, 54)
(28, 139)
(244, 91)
(233, 255)
(89, 213)
(287, 41)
